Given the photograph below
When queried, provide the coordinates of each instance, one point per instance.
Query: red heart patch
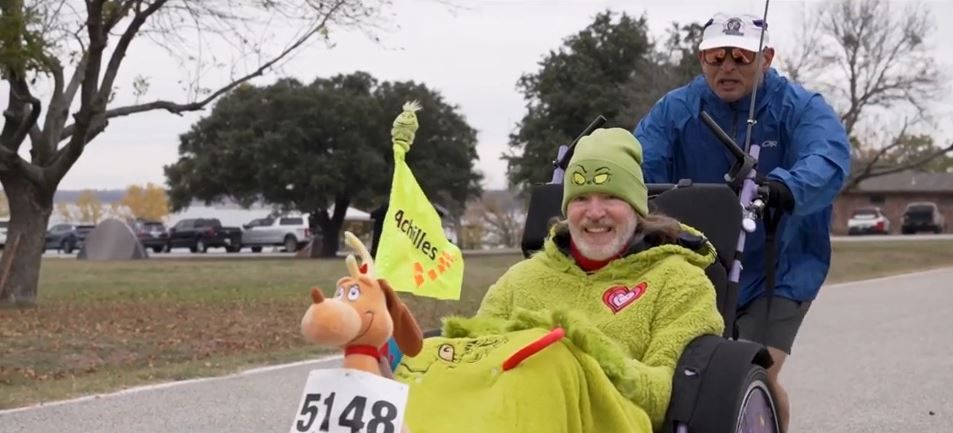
(619, 297)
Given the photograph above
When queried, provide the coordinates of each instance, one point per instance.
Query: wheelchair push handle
(729, 143)
(562, 161)
(754, 196)
(744, 162)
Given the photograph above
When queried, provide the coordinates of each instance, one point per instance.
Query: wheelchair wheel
(758, 413)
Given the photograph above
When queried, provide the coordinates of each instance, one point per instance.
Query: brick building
(891, 193)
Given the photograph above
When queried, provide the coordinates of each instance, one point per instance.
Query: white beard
(602, 251)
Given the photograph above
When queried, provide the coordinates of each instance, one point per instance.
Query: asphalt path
(873, 356)
(876, 356)
(256, 401)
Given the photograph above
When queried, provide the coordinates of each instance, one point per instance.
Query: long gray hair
(662, 228)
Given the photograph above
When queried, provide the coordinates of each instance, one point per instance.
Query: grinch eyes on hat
(580, 179)
(600, 176)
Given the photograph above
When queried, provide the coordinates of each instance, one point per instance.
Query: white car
(868, 220)
(290, 231)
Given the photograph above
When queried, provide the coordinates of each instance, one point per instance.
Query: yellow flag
(414, 255)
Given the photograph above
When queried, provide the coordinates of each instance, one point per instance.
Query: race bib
(342, 400)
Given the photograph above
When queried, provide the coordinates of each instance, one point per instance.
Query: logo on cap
(733, 27)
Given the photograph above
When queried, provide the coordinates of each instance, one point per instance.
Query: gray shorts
(779, 330)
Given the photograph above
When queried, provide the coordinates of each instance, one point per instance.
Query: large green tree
(612, 68)
(73, 51)
(322, 147)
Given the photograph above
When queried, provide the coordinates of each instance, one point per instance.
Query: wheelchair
(720, 384)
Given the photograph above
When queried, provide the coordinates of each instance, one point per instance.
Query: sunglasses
(716, 56)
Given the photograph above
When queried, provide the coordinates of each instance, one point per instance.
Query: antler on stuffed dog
(362, 316)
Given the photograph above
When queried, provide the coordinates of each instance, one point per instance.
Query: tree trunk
(330, 227)
(30, 209)
(329, 241)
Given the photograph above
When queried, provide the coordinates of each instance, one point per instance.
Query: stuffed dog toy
(362, 316)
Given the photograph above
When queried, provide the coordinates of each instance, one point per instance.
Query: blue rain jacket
(803, 144)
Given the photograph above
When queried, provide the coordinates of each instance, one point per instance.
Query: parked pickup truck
(290, 231)
(200, 234)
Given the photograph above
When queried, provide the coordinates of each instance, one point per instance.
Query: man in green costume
(585, 335)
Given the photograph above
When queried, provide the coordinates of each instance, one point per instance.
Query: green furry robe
(625, 328)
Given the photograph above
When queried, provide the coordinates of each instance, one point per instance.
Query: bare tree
(502, 218)
(78, 47)
(65, 212)
(875, 66)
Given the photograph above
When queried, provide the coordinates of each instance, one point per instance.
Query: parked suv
(923, 216)
(151, 234)
(868, 220)
(289, 231)
(200, 234)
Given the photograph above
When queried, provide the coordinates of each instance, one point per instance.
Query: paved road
(875, 357)
(255, 402)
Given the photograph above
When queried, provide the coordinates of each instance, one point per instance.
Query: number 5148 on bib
(350, 401)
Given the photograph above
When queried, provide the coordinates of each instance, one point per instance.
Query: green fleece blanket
(458, 383)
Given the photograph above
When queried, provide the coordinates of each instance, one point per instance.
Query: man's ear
(407, 333)
(768, 58)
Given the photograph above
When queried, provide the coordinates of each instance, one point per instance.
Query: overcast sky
(473, 56)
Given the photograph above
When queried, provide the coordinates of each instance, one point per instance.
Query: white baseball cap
(740, 31)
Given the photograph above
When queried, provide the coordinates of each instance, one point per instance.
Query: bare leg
(781, 396)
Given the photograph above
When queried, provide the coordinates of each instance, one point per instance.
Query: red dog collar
(363, 349)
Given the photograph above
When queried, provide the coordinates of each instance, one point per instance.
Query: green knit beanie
(607, 161)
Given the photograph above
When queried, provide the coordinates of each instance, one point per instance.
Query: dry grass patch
(853, 261)
(102, 326)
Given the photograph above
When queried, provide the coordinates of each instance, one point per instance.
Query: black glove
(778, 195)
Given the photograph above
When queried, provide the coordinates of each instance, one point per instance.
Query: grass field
(103, 326)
